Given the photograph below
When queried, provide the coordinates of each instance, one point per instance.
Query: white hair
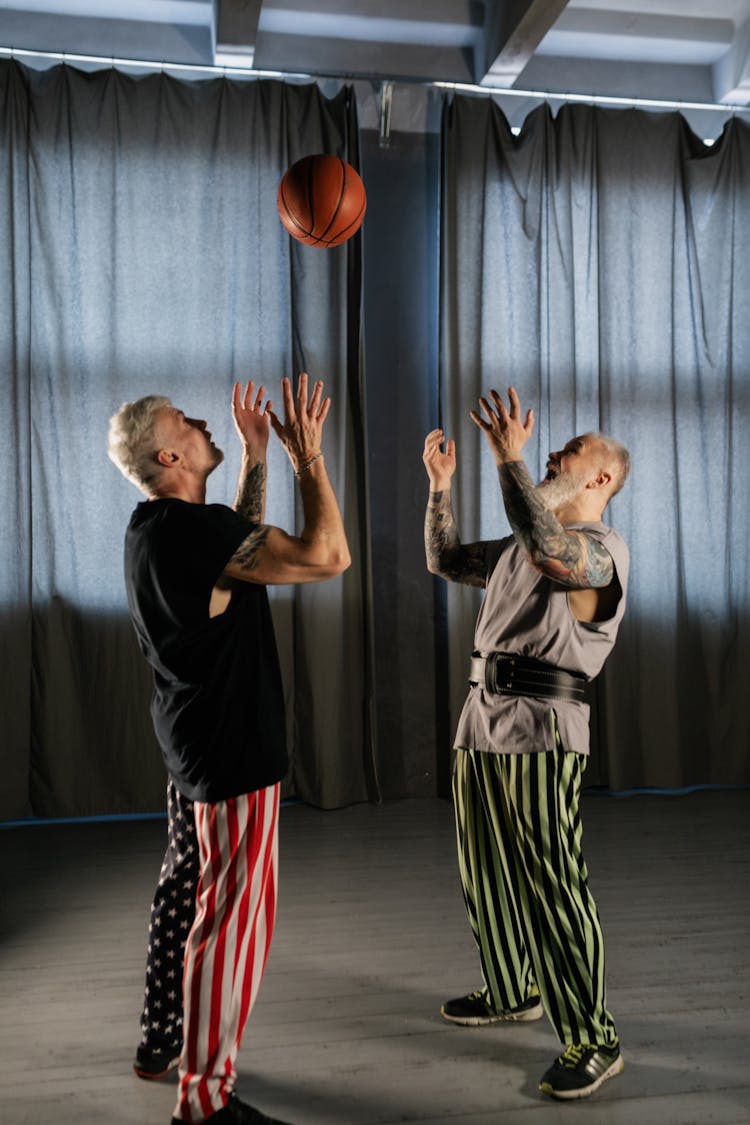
(131, 444)
(618, 460)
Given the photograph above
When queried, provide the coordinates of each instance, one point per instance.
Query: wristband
(303, 468)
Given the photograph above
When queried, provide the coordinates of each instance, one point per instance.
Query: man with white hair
(196, 577)
(554, 598)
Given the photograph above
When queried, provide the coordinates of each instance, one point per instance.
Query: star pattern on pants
(172, 914)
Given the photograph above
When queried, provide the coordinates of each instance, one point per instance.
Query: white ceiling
(680, 50)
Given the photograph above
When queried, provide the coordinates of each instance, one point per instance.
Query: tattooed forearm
(246, 555)
(445, 555)
(251, 493)
(571, 558)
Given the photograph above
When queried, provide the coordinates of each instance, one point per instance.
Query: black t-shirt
(218, 702)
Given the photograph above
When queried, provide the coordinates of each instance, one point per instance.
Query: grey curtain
(600, 261)
(142, 253)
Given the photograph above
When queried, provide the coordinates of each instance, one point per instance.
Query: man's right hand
(302, 428)
(271, 556)
(440, 465)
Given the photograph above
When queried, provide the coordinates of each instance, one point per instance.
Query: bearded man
(555, 596)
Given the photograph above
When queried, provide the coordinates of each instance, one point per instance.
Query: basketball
(321, 200)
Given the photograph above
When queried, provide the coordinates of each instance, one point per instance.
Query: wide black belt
(503, 673)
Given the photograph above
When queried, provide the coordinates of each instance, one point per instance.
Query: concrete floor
(371, 936)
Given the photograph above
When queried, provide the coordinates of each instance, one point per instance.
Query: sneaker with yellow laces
(475, 1010)
(580, 1070)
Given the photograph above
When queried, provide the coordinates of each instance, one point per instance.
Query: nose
(199, 423)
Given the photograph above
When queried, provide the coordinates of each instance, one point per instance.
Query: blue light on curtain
(600, 262)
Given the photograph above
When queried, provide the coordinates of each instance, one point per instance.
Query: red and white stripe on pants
(228, 944)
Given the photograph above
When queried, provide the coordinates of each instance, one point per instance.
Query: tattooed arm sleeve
(250, 501)
(570, 557)
(445, 554)
(246, 555)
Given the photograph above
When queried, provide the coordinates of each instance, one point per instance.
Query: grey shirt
(527, 614)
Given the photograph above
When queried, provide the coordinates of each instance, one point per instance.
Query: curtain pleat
(15, 529)
(156, 263)
(600, 262)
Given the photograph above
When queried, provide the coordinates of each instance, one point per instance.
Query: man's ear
(601, 480)
(167, 457)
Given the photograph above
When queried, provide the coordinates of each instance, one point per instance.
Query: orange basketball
(321, 200)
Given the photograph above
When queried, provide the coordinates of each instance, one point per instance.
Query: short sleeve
(495, 548)
(197, 541)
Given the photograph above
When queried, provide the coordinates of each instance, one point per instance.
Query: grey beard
(559, 491)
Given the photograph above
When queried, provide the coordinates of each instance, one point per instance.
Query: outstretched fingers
(322, 414)
(515, 403)
(317, 394)
(244, 400)
(302, 392)
(487, 423)
(288, 399)
(515, 410)
(258, 398)
(319, 406)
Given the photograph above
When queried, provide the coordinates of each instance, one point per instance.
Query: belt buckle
(495, 660)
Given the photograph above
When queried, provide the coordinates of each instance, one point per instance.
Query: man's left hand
(251, 417)
(503, 427)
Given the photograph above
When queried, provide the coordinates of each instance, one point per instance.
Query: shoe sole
(528, 1014)
(153, 1076)
(585, 1091)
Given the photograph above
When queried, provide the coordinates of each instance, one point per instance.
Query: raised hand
(440, 465)
(302, 429)
(251, 418)
(503, 427)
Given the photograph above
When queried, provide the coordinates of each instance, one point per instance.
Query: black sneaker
(237, 1112)
(155, 1064)
(580, 1070)
(474, 1011)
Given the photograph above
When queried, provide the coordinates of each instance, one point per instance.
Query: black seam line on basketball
(342, 235)
(310, 206)
(290, 215)
(293, 219)
(322, 237)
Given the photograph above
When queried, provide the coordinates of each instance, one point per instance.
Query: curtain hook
(385, 102)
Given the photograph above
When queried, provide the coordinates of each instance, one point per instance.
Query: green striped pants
(525, 886)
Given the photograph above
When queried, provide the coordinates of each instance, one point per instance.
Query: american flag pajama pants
(211, 927)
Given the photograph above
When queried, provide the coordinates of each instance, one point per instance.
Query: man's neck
(190, 490)
(568, 514)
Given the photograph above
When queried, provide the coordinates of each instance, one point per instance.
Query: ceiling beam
(108, 36)
(638, 36)
(237, 30)
(513, 31)
(305, 54)
(731, 74)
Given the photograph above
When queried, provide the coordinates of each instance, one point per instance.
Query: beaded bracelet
(303, 468)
